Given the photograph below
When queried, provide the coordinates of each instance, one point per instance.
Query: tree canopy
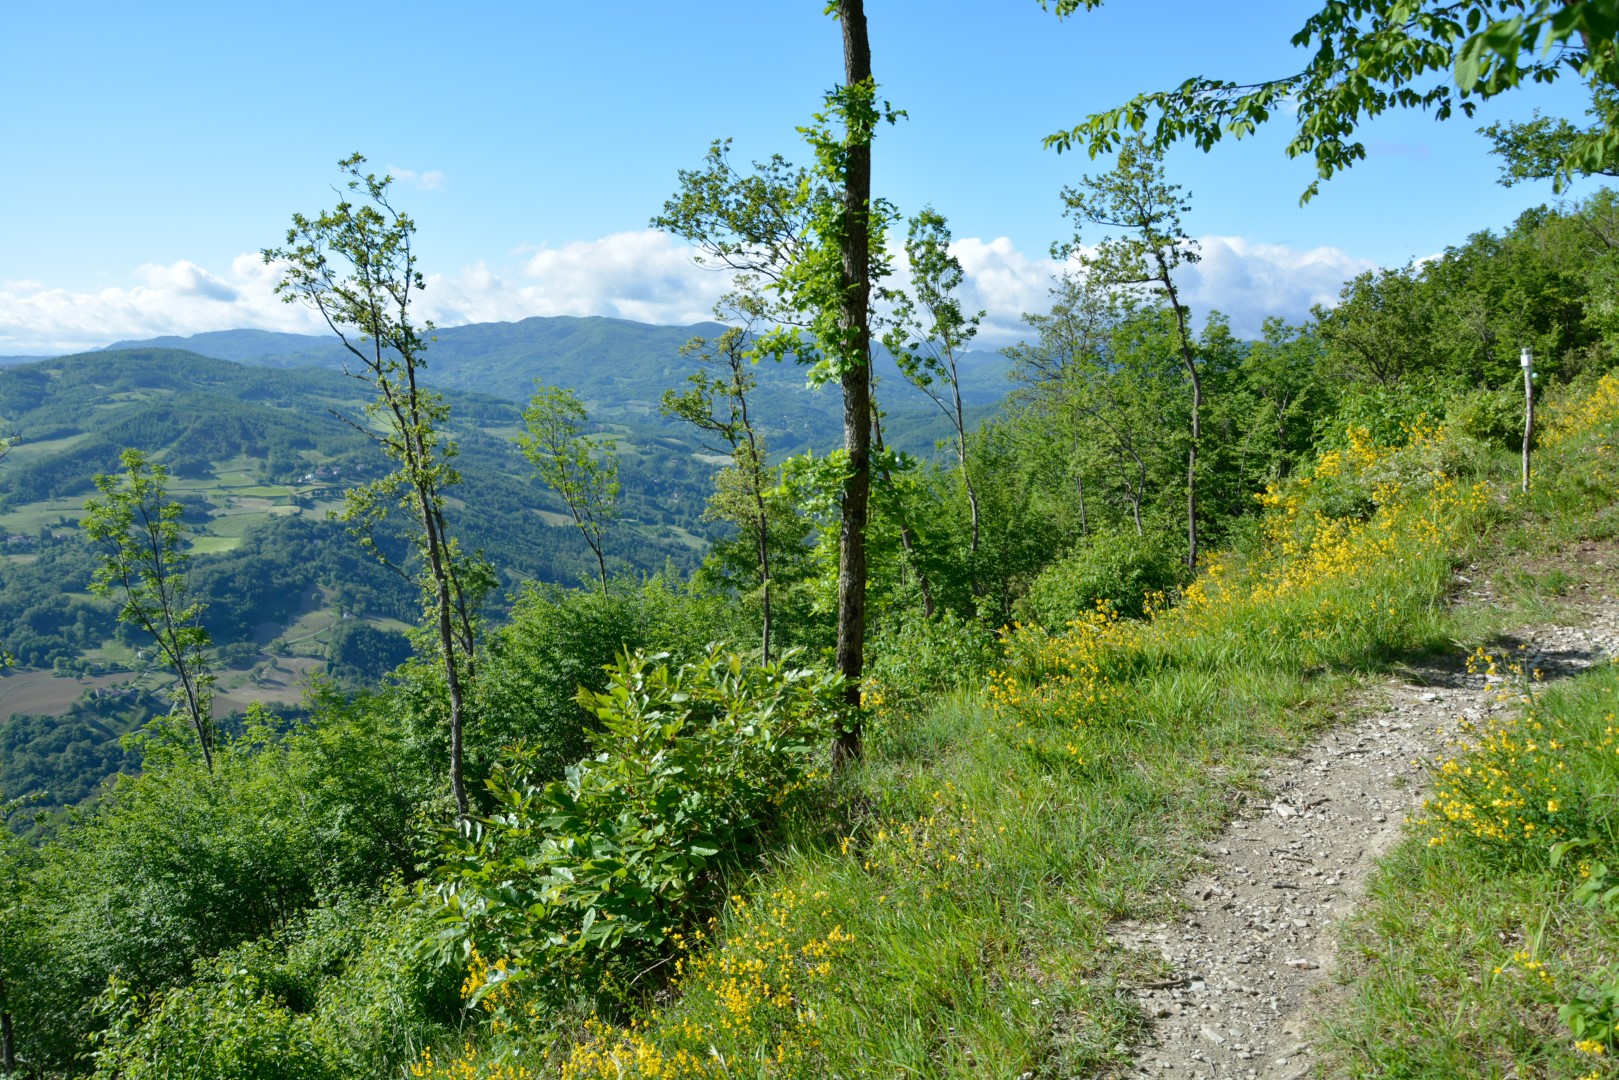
(1367, 57)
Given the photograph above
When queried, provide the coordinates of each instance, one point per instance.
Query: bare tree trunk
(1079, 483)
(764, 578)
(961, 450)
(1197, 404)
(756, 482)
(447, 645)
(1138, 489)
(170, 643)
(202, 724)
(855, 320)
(447, 589)
(8, 1038)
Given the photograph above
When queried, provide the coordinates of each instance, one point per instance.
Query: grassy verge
(1475, 938)
(1480, 953)
(944, 913)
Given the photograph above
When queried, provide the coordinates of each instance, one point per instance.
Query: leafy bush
(915, 659)
(559, 641)
(1120, 570)
(1493, 417)
(1385, 411)
(578, 883)
(345, 991)
(378, 995)
(224, 1026)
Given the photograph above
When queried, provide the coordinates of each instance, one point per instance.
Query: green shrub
(346, 991)
(915, 659)
(1386, 411)
(1118, 569)
(561, 640)
(577, 885)
(224, 1026)
(1493, 417)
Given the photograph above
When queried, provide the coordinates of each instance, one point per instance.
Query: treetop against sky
(154, 151)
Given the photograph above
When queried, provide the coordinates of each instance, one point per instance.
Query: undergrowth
(942, 910)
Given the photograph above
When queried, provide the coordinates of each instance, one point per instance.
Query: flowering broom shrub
(1352, 553)
(756, 991)
(1504, 781)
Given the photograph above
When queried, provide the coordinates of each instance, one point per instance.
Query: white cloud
(645, 276)
(187, 279)
(1249, 281)
(1004, 283)
(431, 180)
(181, 298)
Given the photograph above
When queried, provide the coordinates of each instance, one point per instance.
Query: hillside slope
(619, 369)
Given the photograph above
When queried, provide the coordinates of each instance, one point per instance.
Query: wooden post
(1527, 360)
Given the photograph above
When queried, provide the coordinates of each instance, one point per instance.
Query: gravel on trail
(1252, 948)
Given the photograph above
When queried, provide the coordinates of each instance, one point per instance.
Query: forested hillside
(618, 368)
(261, 457)
(749, 742)
(258, 459)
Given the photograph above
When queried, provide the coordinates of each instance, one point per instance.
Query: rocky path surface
(1253, 948)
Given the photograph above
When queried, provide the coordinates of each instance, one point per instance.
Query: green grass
(27, 450)
(112, 651)
(235, 490)
(965, 873)
(50, 512)
(1466, 947)
(1438, 986)
(958, 883)
(233, 525)
(690, 539)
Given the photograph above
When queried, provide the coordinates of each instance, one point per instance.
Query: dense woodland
(621, 805)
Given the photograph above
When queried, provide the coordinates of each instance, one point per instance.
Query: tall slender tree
(144, 560)
(1136, 198)
(584, 473)
(848, 161)
(930, 331)
(718, 404)
(356, 266)
(812, 240)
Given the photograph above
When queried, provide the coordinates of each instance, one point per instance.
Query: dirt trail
(1253, 949)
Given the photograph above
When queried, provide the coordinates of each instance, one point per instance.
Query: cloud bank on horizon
(645, 276)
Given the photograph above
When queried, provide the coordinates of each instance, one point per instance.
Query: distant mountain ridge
(618, 367)
(240, 346)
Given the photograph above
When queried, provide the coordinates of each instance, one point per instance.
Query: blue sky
(150, 150)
